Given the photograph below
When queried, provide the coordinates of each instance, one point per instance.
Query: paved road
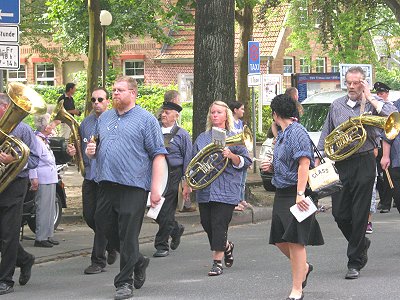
(259, 271)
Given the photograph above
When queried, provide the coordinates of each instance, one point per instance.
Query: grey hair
(356, 69)
(4, 99)
(41, 121)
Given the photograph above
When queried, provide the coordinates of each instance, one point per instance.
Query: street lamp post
(105, 20)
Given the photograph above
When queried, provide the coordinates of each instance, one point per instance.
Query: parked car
(316, 108)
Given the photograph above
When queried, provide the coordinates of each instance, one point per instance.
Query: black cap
(381, 87)
(172, 105)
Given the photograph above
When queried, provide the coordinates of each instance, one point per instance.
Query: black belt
(359, 154)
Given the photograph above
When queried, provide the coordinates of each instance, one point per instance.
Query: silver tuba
(24, 101)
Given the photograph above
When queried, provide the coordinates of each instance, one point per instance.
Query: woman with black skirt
(292, 158)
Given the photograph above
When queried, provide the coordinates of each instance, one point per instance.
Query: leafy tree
(214, 72)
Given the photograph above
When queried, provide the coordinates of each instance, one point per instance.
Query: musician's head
(4, 103)
(124, 92)
(354, 76)
(219, 115)
(43, 124)
(283, 107)
(99, 100)
(170, 113)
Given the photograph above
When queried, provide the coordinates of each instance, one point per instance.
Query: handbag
(323, 180)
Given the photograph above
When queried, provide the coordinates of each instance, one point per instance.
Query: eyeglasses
(119, 91)
(93, 99)
(350, 83)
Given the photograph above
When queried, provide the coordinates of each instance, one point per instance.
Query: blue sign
(9, 11)
(254, 57)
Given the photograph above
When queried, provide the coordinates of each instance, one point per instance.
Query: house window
(304, 65)
(135, 69)
(320, 65)
(288, 67)
(17, 75)
(44, 74)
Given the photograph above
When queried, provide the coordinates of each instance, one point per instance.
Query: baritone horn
(208, 164)
(349, 136)
(24, 101)
(62, 115)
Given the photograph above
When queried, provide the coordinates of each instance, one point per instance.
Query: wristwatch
(300, 193)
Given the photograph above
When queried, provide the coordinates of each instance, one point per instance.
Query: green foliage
(390, 77)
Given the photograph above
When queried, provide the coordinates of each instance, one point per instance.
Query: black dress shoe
(161, 253)
(43, 244)
(310, 269)
(140, 272)
(26, 271)
(112, 256)
(176, 239)
(364, 254)
(352, 273)
(5, 288)
(384, 210)
(53, 241)
(124, 291)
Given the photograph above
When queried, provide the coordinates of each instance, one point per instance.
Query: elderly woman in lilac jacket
(44, 178)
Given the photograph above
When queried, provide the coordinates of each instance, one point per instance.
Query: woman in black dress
(292, 158)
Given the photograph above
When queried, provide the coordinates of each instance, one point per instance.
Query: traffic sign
(9, 56)
(9, 34)
(254, 57)
(253, 80)
(10, 11)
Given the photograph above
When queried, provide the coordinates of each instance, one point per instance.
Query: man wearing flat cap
(382, 90)
(179, 146)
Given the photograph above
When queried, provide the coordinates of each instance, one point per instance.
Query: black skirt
(285, 227)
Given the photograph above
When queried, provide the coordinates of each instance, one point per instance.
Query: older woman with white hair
(218, 200)
(44, 178)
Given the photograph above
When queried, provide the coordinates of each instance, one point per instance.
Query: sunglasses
(93, 99)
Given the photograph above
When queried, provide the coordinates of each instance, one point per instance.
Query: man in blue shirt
(11, 201)
(130, 157)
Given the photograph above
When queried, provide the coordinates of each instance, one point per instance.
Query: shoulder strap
(168, 136)
(317, 152)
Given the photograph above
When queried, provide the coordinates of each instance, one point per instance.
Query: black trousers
(119, 214)
(215, 218)
(387, 195)
(395, 174)
(167, 226)
(90, 196)
(351, 205)
(12, 252)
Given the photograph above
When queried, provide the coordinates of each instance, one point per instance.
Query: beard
(119, 105)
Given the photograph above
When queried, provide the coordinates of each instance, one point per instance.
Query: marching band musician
(218, 200)
(129, 160)
(178, 143)
(350, 206)
(11, 202)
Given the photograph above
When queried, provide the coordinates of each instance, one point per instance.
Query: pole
(1, 80)
(104, 56)
(254, 127)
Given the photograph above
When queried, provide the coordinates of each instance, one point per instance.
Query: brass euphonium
(349, 136)
(62, 115)
(209, 160)
(24, 101)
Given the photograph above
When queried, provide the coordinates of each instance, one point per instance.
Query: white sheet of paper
(302, 215)
(154, 211)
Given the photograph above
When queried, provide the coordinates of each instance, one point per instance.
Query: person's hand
(71, 150)
(6, 158)
(385, 163)
(186, 192)
(367, 90)
(34, 184)
(227, 153)
(91, 149)
(155, 198)
(317, 162)
(301, 203)
(266, 165)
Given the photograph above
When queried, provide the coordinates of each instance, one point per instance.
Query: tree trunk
(245, 21)
(214, 73)
(394, 5)
(94, 53)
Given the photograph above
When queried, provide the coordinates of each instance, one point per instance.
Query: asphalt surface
(260, 271)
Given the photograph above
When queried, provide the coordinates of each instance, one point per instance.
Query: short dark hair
(102, 89)
(170, 95)
(284, 106)
(235, 105)
(69, 86)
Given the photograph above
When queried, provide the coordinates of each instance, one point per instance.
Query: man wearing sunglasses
(90, 188)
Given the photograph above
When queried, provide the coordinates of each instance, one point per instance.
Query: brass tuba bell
(24, 101)
(199, 171)
(62, 115)
(349, 136)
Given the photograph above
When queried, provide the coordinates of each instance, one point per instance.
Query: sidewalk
(76, 238)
